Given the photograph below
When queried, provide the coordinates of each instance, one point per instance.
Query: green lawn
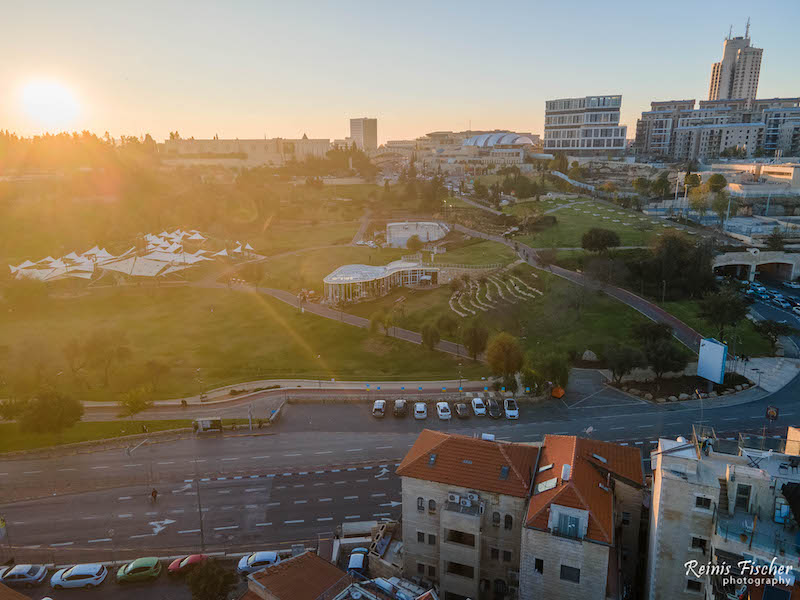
(209, 338)
(743, 339)
(573, 222)
(288, 236)
(476, 252)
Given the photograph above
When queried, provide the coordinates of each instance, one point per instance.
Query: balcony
(740, 534)
(572, 534)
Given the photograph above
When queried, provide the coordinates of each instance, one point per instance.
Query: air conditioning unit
(473, 496)
(454, 498)
(466, 502)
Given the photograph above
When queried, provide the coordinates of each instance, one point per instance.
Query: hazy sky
(252, 68)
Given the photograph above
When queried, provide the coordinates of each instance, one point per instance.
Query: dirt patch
(675, 386)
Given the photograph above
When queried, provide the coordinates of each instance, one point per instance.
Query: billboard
(711, 364)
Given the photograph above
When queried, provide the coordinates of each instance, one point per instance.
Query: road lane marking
(62, 544)
(263, 524)
(326, 499)
(189, 531)
(136, 465)
(324, 452)
(259, 457)
(325, 519)
(101, 467)
(351, 497)
(231, 458)
(295, 522)
(223, 491)
(67, 469)
(643, 426)
(615, 428)
(89, 518)
(362, 480)
(251, 506)
(353, 517)
(301, 501)
(141, 535)
(258, 489)
(382, 447)
(176, 511)
(299, 485)
(318, 484)
(381, 514)
(293, 455)
(31, 473)
(125, 516)
(226, 528)
(377, 495)
(169, 462)
(730, 418)
(124, 498)
(339, 482)
(273, 504)
(99, 540)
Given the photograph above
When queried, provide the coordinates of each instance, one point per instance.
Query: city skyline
(250, 77)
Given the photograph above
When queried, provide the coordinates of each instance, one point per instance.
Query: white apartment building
(584, 126)
(720, 502)
(253, 152)
(736, 75)
(364, 132)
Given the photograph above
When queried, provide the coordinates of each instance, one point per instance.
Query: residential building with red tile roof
(303, 577)
(483, 518)
(582, 525)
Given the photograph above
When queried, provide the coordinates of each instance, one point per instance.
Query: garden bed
(688, 385)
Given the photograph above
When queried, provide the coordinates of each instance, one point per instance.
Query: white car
(511, 409)
(478, 407)
(23, 575)
(782, 303)
(796, 310)
(86, 576)
(379, 408)
(443, 410)
(257, 561)
(420, 410)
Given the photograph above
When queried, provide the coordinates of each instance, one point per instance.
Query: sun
(49, 103)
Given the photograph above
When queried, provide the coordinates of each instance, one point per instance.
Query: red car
(182, 566)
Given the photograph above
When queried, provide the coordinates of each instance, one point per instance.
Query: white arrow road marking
(159, 526)
(382, 473)
(392, 504)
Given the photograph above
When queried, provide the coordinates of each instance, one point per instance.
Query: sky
(250, 69)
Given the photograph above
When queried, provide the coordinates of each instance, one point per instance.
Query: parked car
(141, 569)
(462, 410)
(85, 576)
(23, 575)
(796, 310)
(795, 285)
(400, 408)
(757, 287)
(443, 411)
(478, 407)
(782, 303)
(764, 296)
(493, 409)
(257, 561)
(511, 409)
(420, 410)
(379, 408)
(358, 562)
(185, 565)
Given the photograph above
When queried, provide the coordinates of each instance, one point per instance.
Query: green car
(142, 569)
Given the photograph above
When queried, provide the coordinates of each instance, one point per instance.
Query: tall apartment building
(584, 126)
(676, 130)
(364, 132)
(274, 152)
(736, 75)
(497, 520)
(727, 504)
(581, 533)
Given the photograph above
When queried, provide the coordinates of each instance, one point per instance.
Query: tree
(553, 367)
(447, 323)
(105, 348)
(641, 185)
(692, 180)
(414, 243)
(430, 336)
(717, 183)
(650, 332)
(772, 330)
(211, 581)
(135, 401)
(475, 337)
(723, 309)
(531, 379)
(661, 186)
(665, 357)
(724, 204)
(504, 354)
(49, 411)
(599, 240)
(156, 369)
(622, 360)
(775, 239)
(698, 200)
(481, 191)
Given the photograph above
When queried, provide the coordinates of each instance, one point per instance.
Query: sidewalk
(771, 373)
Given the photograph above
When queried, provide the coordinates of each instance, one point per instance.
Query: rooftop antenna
(747, 30)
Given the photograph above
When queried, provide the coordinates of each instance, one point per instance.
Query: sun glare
(49, 103)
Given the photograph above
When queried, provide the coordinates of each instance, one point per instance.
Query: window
(538, 565)
(699, 544)
(420, 537)
(694, 586)
(495, 553)
(455, 568)
(431, 539)
(420, 568)
(506, 556)
(509, 521)
(432, 506)
(496, 519)
(569, 526)
(570, 574)
(701, 502)
(742, 496)
(420, 504)
(431, 572)
(626, 518)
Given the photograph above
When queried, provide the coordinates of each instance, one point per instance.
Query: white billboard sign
(711, 364)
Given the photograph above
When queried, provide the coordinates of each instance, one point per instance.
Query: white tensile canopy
(248, 247)
(222, 252)
(196, 236)
(91, 252)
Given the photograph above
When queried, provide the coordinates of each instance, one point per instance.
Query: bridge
(745, 265)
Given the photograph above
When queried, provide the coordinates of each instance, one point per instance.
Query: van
(379, 408)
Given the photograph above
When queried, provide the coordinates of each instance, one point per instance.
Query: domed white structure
(502, 138)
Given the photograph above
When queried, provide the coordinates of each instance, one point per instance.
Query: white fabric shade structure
(248, 247)
(222, 252)
(196, 237)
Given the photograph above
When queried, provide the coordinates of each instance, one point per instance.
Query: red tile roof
(6, 593)
(471, 463)
(582, 490)
(303, 577)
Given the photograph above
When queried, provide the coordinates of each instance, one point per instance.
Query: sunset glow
(49, 103)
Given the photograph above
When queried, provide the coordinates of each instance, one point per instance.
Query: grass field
(743, 339)
(209, 338)
(477, 252)
(286, 237)
(634, 229)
